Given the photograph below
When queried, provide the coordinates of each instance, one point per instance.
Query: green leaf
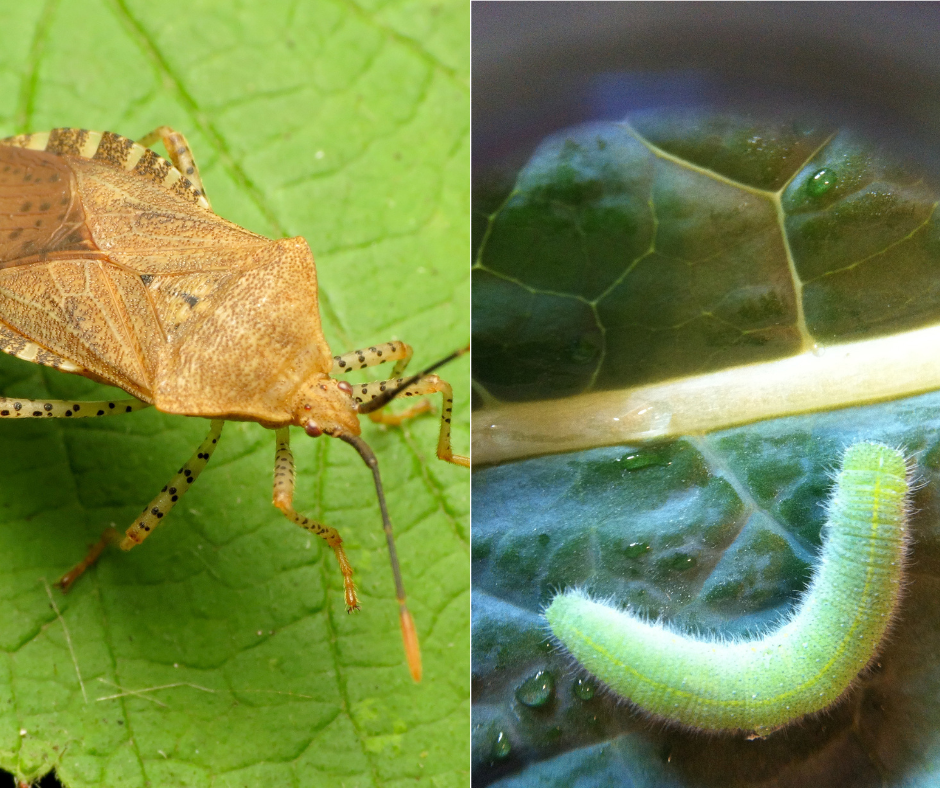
(219, 652)
(632, 253)
(706, 511)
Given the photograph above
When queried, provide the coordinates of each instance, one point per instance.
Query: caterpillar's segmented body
(801, 668)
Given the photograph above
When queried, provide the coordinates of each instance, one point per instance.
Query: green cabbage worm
(801, 668)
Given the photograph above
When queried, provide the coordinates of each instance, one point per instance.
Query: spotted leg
(154, 511)
(18, 408)
(180, 154)
(283, 499)
(373, 356)
(366, 392)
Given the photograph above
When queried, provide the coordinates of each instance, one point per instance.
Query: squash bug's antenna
(387, 396)
(408, 632)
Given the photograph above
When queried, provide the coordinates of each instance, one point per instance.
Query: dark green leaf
(657, 252)
(629, 253)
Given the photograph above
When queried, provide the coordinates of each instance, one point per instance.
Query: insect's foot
(456, 459)
(352, 600)
(349, 588)
(94, 552)
(65, 582)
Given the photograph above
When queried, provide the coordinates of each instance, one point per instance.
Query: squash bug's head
(326, 407)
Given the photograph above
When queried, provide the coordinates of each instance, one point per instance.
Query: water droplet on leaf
(501, 746)
(584, 688)
(644, 459)
(536, 690)
(821, 182)
(636, 549)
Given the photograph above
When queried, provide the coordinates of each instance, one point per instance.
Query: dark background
(541, 66)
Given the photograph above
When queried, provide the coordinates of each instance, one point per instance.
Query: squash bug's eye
(344, 387)
(312, 429)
